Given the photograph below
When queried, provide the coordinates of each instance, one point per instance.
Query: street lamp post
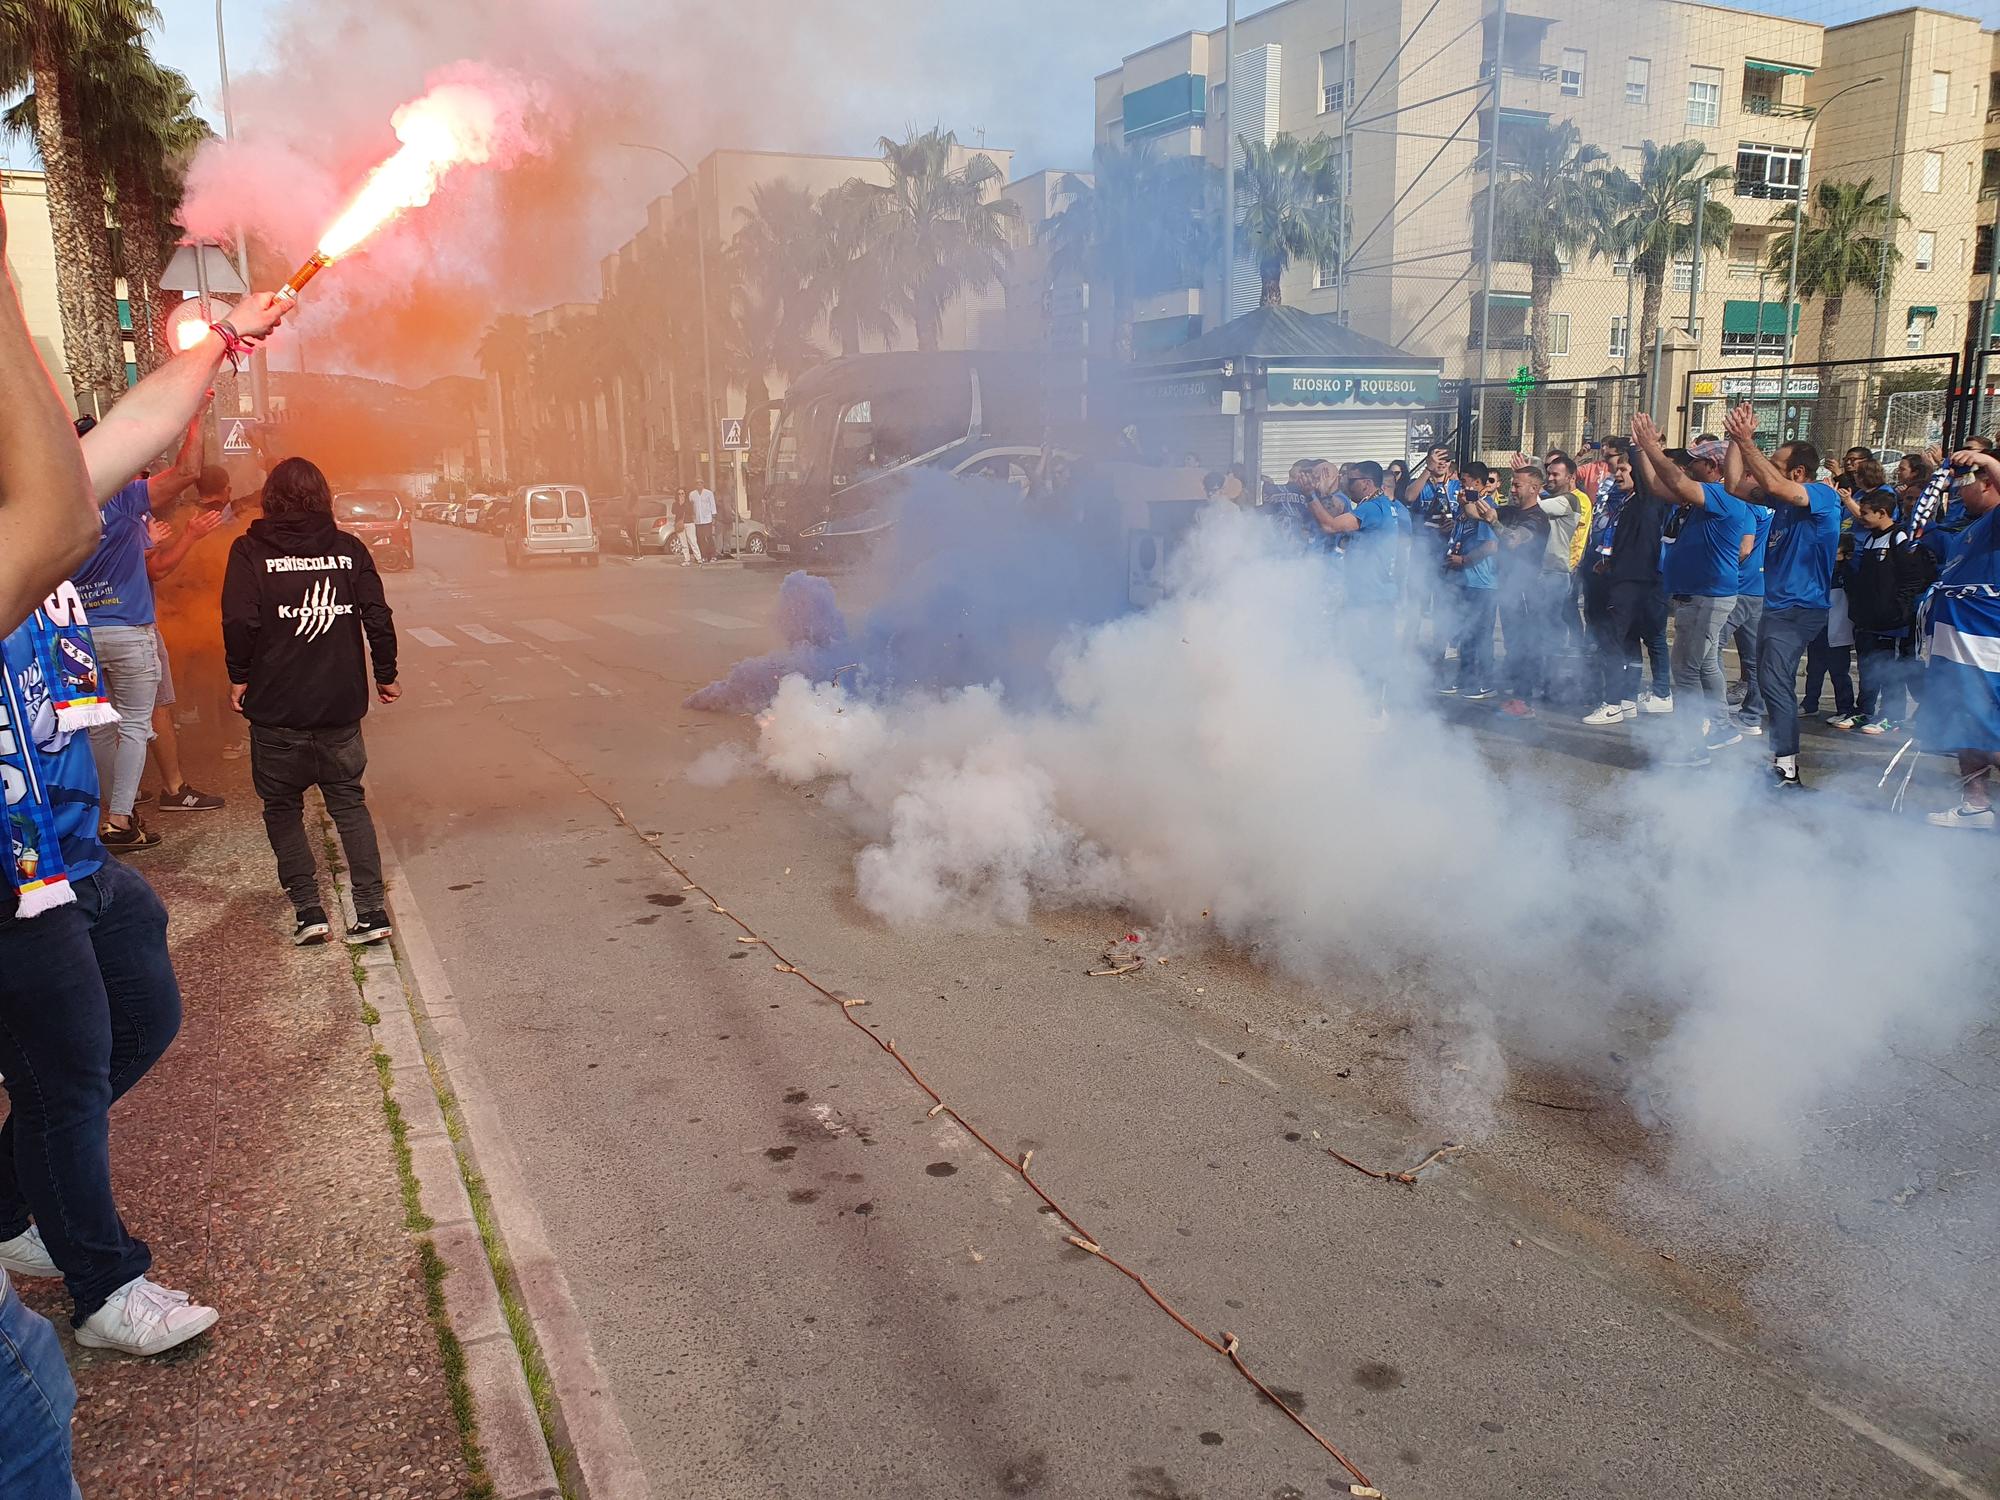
(257, 401)
(1792, 277)
(711, 434)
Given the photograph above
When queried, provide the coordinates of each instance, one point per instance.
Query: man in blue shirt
(1374, 527)
(1798, 571)
(118, 596)
(1700, 571)
(1960, 707)
(1471, 583)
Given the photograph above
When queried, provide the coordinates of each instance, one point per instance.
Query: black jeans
(1632, 613)
(283, 764)
(88, 1002)
(1782, 638)
(1884, 663)
(1824, 661)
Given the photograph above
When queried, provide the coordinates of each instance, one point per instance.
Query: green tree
(1290, 209)
(1841, 248)
(1655, 223)
(772, 270)
(505, 357)
(851, 279)
(1557, 203)
(941, 230)
(1135, 225)
(46, 42)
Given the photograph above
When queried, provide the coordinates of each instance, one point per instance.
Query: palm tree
(1841, 247)
(942, 230)
(1292, 209)
(46, 41)
(772, 269)
(1555, 203)
(1135, 225)
(850, 280)
(1656, 226)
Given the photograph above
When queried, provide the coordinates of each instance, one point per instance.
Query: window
(1572, 72)
(1617, 338)
(1768, 171)
(1218, 102)
(1324, 276)
(1926, 250)
(1558, 333)
(1933, 171)
(1940, 93)
(1684, 276)
(1771, 342)
(1917, 329)
(1638, 73)
(1333, 80)
(1704, 96)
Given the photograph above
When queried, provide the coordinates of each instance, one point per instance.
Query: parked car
(499, 511)
(633, 526)
(550, 520)
(381, 521)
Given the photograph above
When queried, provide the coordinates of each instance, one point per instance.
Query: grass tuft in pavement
(414, 1217)
(479, 1486)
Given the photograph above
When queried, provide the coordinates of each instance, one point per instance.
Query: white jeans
(128, 661)
(692, 543)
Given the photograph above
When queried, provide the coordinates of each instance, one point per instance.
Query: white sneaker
(1630, 706)
(1958, 817)
(1609, 713)
(1654, 704)
(26, 1255)
(144, 1318)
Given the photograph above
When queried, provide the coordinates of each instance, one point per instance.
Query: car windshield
(367, 505)
(545, 505)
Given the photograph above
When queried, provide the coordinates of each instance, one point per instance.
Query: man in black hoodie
(297, 598)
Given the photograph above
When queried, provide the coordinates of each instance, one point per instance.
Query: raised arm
(1331, 524)
(1662, 475)
(1766, 483)
(146, 417)
(167, 486)
(48, 523)
(162, 560)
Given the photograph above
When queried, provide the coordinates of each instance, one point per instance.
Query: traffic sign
(239, 435)
(735, 435)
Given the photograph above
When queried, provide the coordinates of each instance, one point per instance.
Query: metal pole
(1228, 159)
(1492, 190)
(1695, 257)
(1798, 223)
(1346, 154)
(1981, 370)
(709, 420)
(257, 402)
(1630, 281)
(1653, 385)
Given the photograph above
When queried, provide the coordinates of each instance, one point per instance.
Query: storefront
(1785, 407)
(1277, 385)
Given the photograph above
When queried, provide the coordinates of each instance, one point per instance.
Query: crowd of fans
(1608, 583)
(89, 1000)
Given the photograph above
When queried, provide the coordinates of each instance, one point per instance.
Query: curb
(509, 1430)
(455, 1138)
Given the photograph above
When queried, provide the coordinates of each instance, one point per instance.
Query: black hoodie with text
(297, 597)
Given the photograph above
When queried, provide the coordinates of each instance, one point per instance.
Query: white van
(550, 520)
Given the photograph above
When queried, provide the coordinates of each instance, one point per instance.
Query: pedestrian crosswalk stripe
(720, 621)
(432, 637)
(553, 630)
(635, 625)
(484, 636)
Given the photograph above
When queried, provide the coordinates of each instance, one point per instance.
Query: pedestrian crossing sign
(733, 438)
(237, 433)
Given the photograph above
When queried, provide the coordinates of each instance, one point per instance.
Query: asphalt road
(802, 1284)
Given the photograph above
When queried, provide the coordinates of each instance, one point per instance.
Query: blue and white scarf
(62, 676)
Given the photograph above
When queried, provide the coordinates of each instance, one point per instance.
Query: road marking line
(484, 636)
(602, 691)
(719, 621)
(1236, 1062)
(635, 624)
(553, 630)
(432, 637)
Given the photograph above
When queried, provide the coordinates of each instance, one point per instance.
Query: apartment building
(1927, 135)
(1401, 87)
(31, 257)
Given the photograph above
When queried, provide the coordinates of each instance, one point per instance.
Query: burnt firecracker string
(1227, 1345)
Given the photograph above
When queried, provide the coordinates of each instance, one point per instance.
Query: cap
(1712, 451)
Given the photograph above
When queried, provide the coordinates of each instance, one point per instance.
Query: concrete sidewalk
(257, 1162)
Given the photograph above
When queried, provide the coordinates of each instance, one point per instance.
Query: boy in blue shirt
(1798, 571)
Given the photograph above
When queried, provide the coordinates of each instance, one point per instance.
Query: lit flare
(454, 125)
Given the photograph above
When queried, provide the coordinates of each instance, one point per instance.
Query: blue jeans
(1782, 638)
(36, 1399)
(1477, 610)
(128, 658)
(88, 1002)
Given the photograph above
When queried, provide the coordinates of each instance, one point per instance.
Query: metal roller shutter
(1210, 438)
(1287, 439)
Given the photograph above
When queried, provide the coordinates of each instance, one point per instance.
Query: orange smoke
(455, 124)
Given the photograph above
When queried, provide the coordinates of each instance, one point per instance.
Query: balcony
(1748, 186)
(1776, 109)
(1536, 71)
